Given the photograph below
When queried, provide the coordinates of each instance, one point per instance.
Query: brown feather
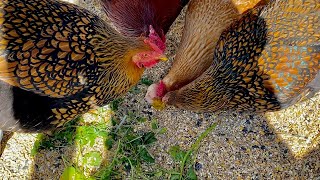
(62, 60)
(264, 62)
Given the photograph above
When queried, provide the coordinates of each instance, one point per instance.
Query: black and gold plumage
(266, 61)
(57, 61)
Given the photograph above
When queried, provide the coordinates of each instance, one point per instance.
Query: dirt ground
(281, 145)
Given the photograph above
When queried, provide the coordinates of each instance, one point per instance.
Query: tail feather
(131, 18)
(134, 17)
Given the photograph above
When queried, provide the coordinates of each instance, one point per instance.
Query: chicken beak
(163, 58)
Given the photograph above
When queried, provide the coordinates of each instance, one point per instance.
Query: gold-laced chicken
(266, 61)
(58, 61)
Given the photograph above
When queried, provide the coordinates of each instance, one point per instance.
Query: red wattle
(150, 64)
(161, 89)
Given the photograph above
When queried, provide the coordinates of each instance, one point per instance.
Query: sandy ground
(281, 145)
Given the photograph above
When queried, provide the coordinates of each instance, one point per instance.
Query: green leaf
(146, 81)
(70, 173)
(65, 135)
(109, 143)
(114, 105)
(131, 116)
(67, 132)
(133, 139)
(149, 138)
(191, 174)
(86, 135)
(141, 119)
(92, 158)
(176, 153)
(133, 160)
(101, 130)
(135, 90)
(154, 124)
(114, 121)
(35, 148)
(174, 176)
(37, 144)
(145, 155)
(163, 130)
(105, 174)
(158, 174)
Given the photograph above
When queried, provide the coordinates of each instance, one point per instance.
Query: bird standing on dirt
(266, 61)
(204, 23)
(57, 61)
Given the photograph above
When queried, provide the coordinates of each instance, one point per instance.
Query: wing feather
(45, 47)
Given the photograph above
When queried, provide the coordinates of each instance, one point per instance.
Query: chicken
(204, 23)
(266, 61)
(134, 18)
(58, 61)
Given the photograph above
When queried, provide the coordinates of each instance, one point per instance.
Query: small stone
(197, 166)
(255, 146)
(199, 122)
(245, 130)
(147, 112)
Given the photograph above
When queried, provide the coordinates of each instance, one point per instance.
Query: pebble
(224, 153)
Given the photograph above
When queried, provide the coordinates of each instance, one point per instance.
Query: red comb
(155, 41)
